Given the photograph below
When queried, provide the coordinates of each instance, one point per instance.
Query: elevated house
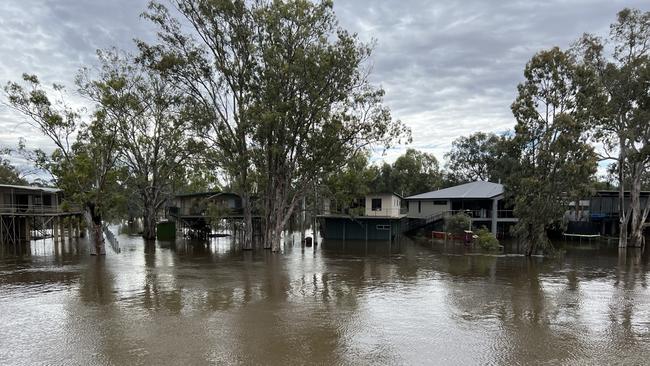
(482, 201)
(378, 216)
(27, 211)
(600, 213)
(191, 212)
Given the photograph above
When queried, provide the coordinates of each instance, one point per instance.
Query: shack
(599, 214)
(28, 212)
(191, 212)
(380, 218)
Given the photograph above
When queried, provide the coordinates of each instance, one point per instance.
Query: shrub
(486, 240)
(458, 223)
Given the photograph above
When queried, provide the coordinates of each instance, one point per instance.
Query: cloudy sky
(449, 68)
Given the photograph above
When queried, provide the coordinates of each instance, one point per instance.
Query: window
(419, 206)
(407, 205)
(440, 203)
(376, 204)
(383, 227)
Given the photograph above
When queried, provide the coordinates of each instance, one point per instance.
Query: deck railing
(6, 209)
(485, 214)
(393, 211)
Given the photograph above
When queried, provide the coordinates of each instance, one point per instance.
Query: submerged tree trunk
(95, 235)
(623, 213)
(149, 227)
(149, 221)
(639, 214)
(247, 243)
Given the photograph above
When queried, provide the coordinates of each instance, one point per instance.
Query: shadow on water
(198, 302)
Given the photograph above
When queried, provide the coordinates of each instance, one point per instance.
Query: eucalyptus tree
(154, 134)
(9, 174)
(555, 163)
(351, 182)
(475, 157)
(416, 172)
(280, 92)
(622, 65)
(84, 161)
(212, 61)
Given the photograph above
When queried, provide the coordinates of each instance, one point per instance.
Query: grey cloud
(449, 68)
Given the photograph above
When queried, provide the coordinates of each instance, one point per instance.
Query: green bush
(486, 240)
(458, 223)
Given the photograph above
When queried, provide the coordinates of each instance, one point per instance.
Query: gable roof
(381, 193)
(468, 190)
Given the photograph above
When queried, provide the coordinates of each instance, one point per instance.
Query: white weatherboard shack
(383, 205)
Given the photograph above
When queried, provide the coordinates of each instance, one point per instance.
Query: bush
(486, 240)
(458, 223)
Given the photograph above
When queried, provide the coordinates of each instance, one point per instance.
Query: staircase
(415, 224)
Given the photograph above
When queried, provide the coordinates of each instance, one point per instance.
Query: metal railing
(475, 214)
(485, 214)
(36, 209)
(393, 211)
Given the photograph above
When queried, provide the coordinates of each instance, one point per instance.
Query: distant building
(382, 218)
(196, 204)
(190, 211)
(28, 199)
(600, 213)
(482, 201)
(27, 212)
(384, 205)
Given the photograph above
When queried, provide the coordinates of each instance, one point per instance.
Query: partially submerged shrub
(486, 240)
(458, 223)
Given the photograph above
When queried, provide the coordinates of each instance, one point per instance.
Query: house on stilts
(28, 213)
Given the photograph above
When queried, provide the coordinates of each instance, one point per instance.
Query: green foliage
(621, 116)
(84, 166)
(486, 240)
(280, 118)
(457, 224)
(349, 184)
(9, 174)
(555, 163)
(215, 214)
(477, 157)
(154, 139)
(412, 173)
(415, 172)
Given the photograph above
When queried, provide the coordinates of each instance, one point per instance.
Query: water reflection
(191, 302)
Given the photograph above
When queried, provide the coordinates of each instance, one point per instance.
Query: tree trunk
(639, 215)
(149, 222)
(247, 243)
(276, 243)
(622, 232)
(302, 220)
(95, 235)
(623, 217)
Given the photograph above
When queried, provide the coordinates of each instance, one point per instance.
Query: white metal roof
(468, 190)
(31, 188)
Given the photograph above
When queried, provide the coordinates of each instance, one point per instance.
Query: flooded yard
(419, 302)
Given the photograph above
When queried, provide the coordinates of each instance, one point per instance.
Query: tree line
(272, 100)
(575, 109)
(262, 97)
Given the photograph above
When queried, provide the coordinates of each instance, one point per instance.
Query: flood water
(414, 303)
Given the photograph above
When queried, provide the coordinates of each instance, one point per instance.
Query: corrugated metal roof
(31, 188)
(468, 190)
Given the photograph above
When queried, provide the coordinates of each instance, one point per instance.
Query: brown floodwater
(188, 303)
